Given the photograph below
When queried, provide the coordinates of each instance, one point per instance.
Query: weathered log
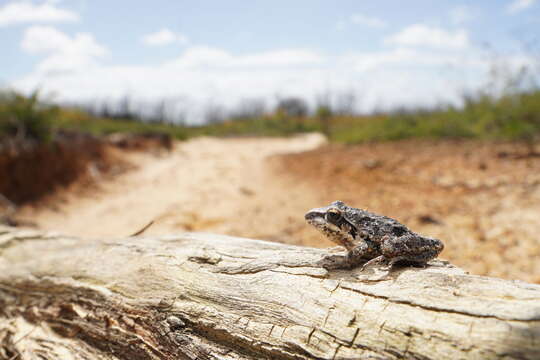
(203, 296)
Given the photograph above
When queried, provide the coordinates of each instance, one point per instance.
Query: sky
(206, 53)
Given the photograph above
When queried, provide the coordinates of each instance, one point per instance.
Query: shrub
(25, 117)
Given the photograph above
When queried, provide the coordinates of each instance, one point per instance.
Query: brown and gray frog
(370, 238)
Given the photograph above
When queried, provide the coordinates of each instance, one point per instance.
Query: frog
(370, 238)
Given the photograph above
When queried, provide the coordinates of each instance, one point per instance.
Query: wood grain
(205, 296)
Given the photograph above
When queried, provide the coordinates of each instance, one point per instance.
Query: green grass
(513, 116)
(25, 117)
(269, 125)
(75, 120)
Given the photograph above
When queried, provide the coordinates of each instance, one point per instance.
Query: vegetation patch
(510, 117)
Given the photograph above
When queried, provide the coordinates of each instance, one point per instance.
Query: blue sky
(389, 53)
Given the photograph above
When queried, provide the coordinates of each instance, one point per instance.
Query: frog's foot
(334, 261)
(419, 261)
(375, 261)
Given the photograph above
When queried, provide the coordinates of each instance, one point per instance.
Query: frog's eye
(333, 215)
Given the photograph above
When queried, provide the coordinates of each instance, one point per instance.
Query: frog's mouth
(317, 217)
(340, 230)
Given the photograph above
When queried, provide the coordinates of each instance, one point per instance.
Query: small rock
(428, 219)
(372, 164)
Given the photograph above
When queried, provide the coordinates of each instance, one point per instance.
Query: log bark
(204, 296)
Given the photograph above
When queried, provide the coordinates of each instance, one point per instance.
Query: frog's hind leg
(410, 249)
(419, 261)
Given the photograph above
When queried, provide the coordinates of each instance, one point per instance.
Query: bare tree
(213, 113)
(323, 111)
(345, 103)
(293, 106)
(124, 109)
(249, 109)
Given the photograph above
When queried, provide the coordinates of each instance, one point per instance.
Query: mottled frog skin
(371, 237)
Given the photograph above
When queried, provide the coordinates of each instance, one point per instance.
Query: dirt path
(205, 184)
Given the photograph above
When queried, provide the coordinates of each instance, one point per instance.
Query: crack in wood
(336, 352)
(309, 335)
(381, 327)
(354, 336)
(331, 308)
(432, 308)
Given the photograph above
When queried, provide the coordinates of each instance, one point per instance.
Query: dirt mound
(32, 170)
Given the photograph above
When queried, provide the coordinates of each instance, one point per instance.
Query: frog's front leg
(362, 252)
(353, 258)
(411, 248)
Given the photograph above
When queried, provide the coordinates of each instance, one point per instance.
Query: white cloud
(361, 19)
(519, 5)
(424, 61)
(62, 52)
(27, 12)
(393, 77)
(461, 14)
(164, 37)
(372, 60)
(423, 35)
(204, 56)
(368, 21)
(286, 57)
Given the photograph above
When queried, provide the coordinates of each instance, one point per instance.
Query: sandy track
(205, 184)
